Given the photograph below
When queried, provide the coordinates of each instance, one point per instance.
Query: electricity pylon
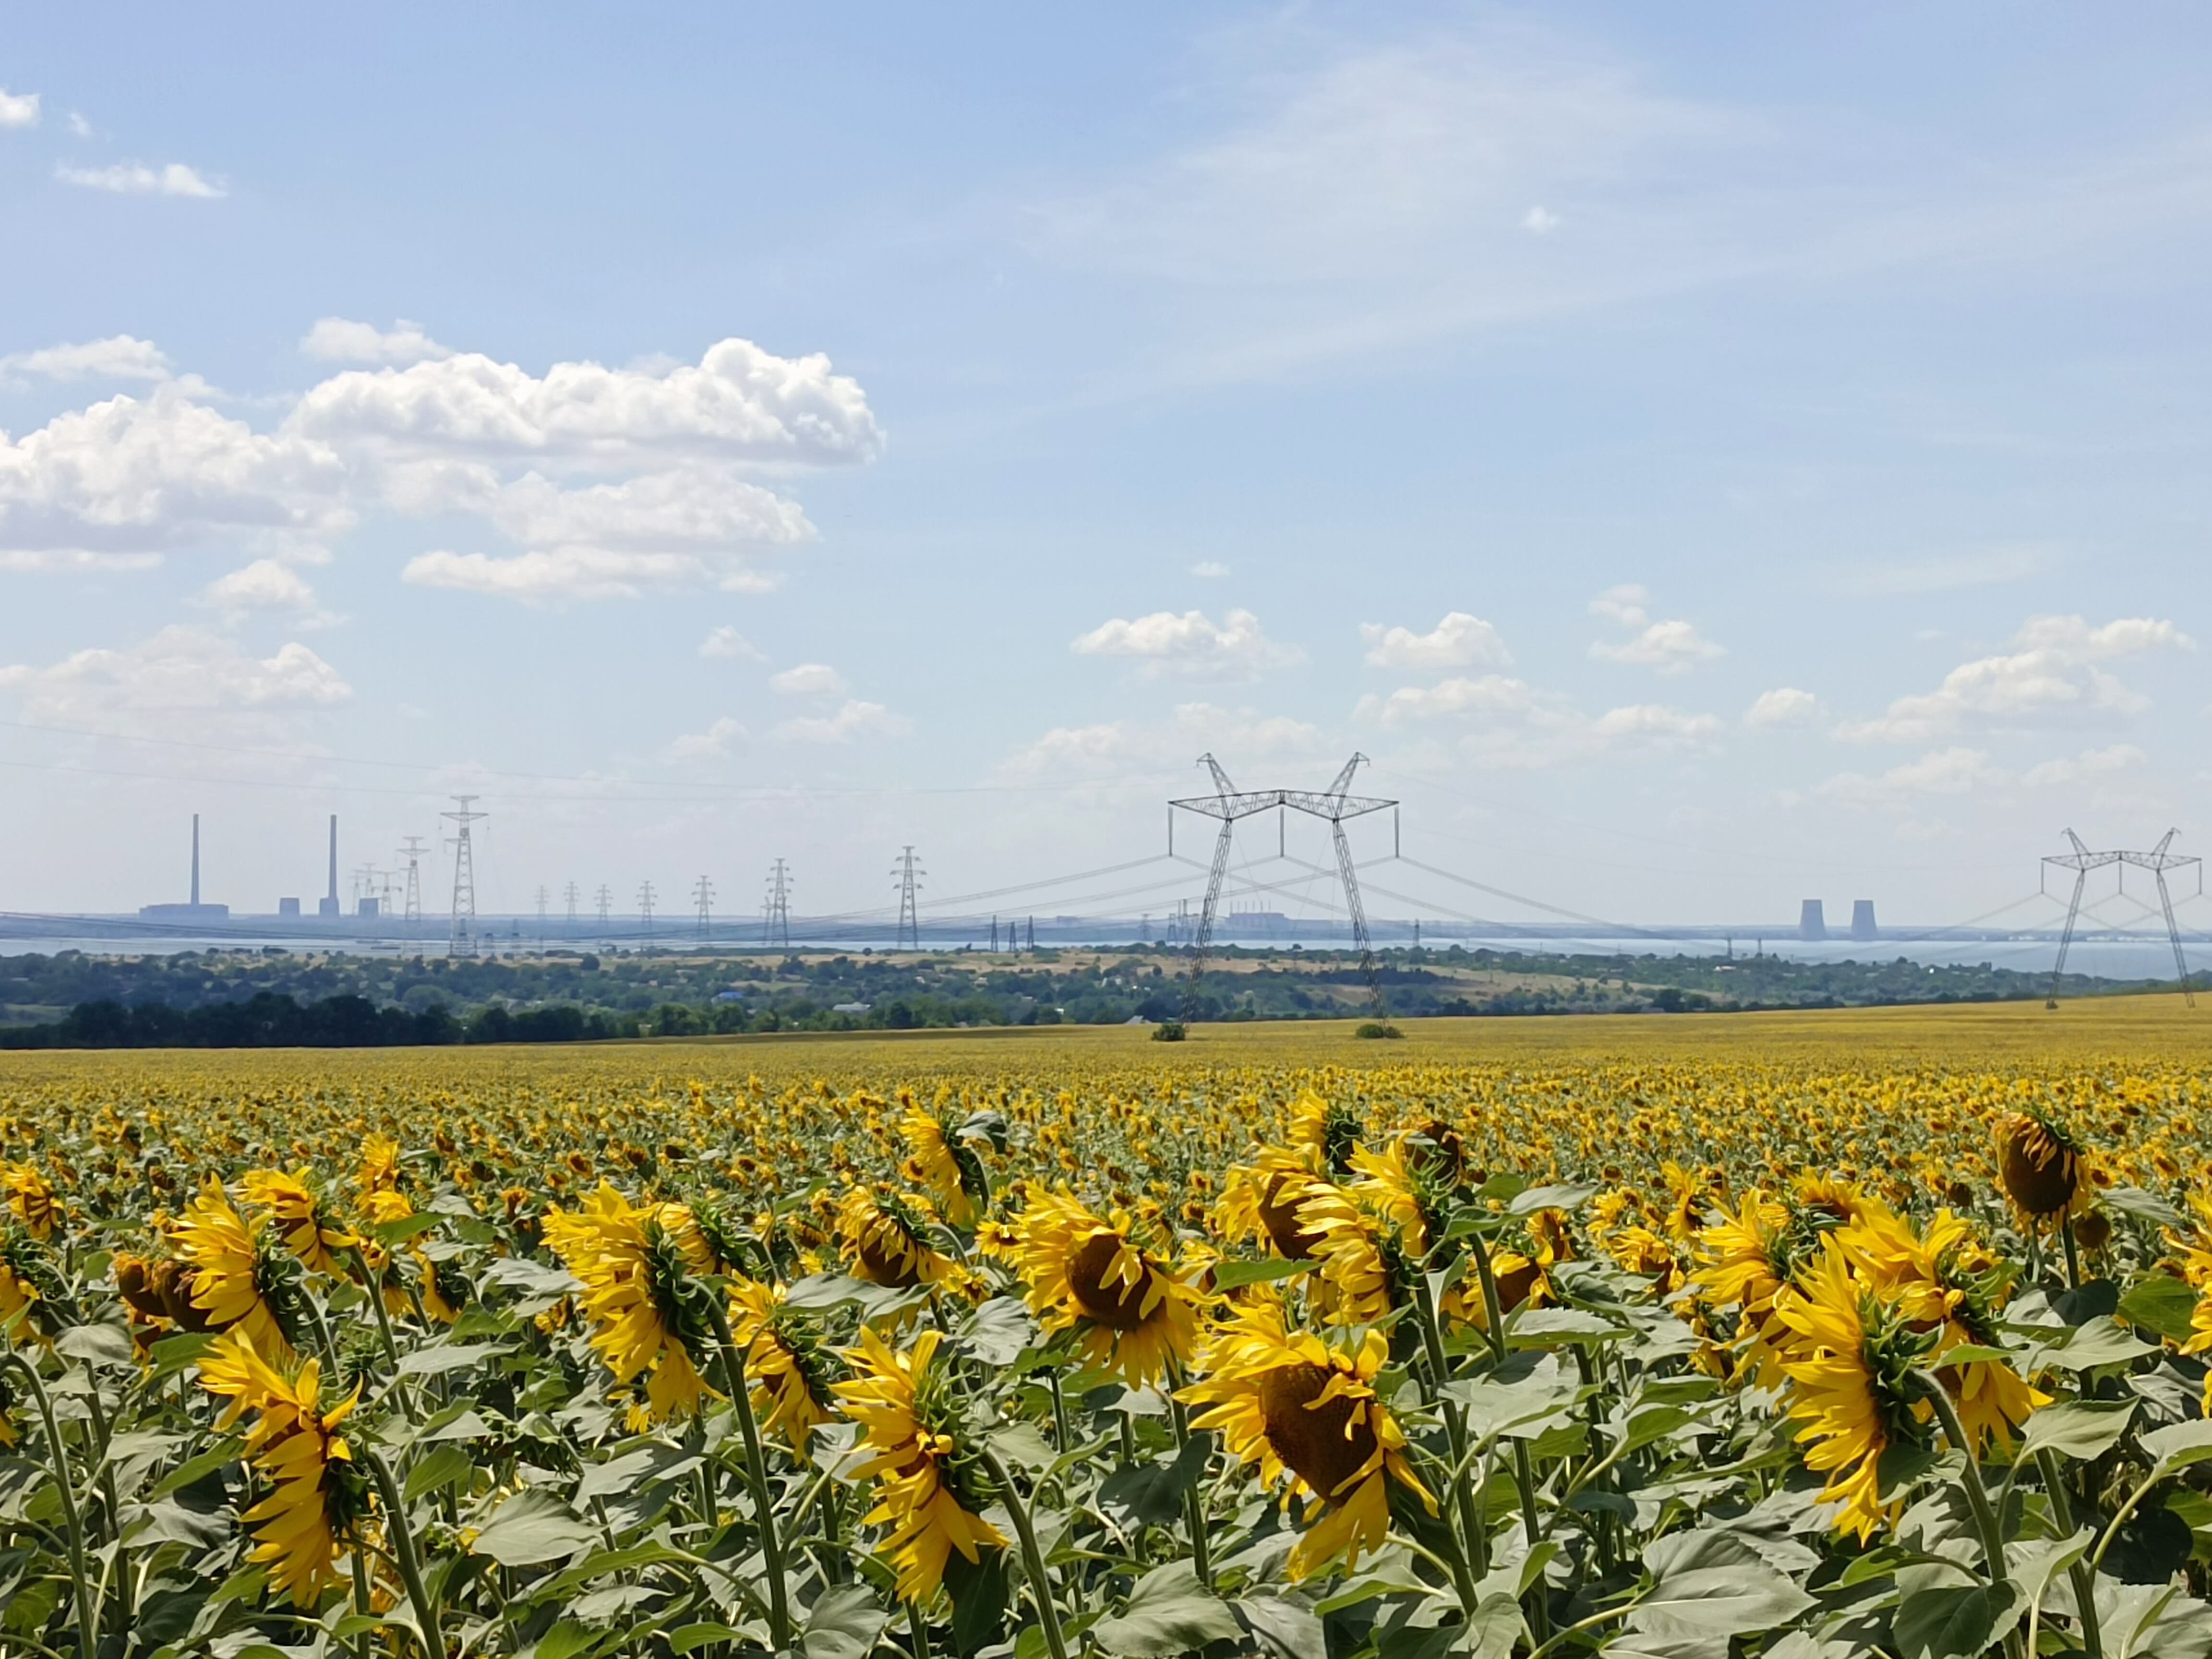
(543, 896)
(2158, 861)
(909, 917)
(462, 940)
(413, 853)
(1228, 804)
(606, 899)
(570, 894)
(645, 905)
(702, 895)
(775, 913)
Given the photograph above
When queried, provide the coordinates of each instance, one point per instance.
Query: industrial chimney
(196, 860)
(329, 906)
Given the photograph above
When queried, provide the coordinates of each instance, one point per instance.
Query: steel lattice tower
(543, 896)
(570, 894)
(1228, 804)
(606, 899)
(462, 941)
(413, 853)
(910, 916)
(775, 913)
(702, 895)
(645, 904)
(2158, 861)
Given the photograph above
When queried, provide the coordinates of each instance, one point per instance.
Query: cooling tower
(1811, 923)
(1862, 927)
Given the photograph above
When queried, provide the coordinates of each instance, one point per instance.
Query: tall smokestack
(334, 859)
(196, 858)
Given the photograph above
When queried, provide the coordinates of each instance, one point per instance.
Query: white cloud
(179, 671)
(1506, 721)
(808, 679)
(1954, 771)
(853, 720)
(541, 578)
(725, 737)
(137, 179)
(1209, 570)
(1784, 706)
(264, 585)
(18, 109)
(2049, 675)
(1651, 722)
(334, 340)
(1490, 695)
(2089, 764)
(1190, 644)
(1540, 221)
(78, 126)
(118, 357)
(1242, 738)
(1671, 646)
(727, 642)
(1460, 640)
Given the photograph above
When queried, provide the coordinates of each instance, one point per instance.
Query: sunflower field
(1783, 1339)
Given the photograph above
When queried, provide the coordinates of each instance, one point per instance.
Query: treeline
(273, 1020)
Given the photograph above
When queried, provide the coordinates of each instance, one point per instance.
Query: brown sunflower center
(1279, 1214)
(885, 1263)
(1117, 1307)
(1320, 1444)
(2040, 1174)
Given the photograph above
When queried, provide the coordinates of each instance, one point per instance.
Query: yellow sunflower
(2041, 1165)
(635, 1264)
(303, 1216)
(883, 1240)
(32, 1198)
(949, 1168)
(231, 1276)
(787, 1365)
(1261, 1199)
(1085, 1274)
(1849, 1370)
(908, 1419)
(1295, 1405)
(318, 1500)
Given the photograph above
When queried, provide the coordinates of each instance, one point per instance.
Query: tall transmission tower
(775, 913)
(462, 941)
(570, 894)
(909, 917)
(702, 895)
(2158, 861)
(605, 900)
(1228, 804)
(542, 896)
(413, 853)
(645, 905)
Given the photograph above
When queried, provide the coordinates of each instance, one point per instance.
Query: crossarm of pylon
(1229, 808)
(1334, 807)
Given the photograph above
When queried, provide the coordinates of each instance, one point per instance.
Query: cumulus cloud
(1540, 221)
(808, 679)
(137, 179)
(727, 642)
(118, 357)
(854, 720)
(180, 671)
(1209, 570)
(1190, 644)
(1671, 646)
(604, 482)
(2089, 764)
(1460, 640)
(18, 109)
(1784, 706)
(335, 339)
(1118, 748)
(1955, 771)
(2051, 675)
(264, 585)
(725, 737)
(1505, 721)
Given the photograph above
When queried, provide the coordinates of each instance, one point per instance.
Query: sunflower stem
(917, 1632)
(1032, 1557)
(1524, 1472)
(2073, 1253)
(384, 1331)
(2084, 1580)
(1432, 1343)
(1194, 1505)
(1059, 1412)
(733, 1380)
(410, 1559)
(88, 1611)
(1977, 1497)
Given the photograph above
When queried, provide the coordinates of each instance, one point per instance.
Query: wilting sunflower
(636, 1264)
(238, 1276)
(320, 1499)
(909, 1419)
(1086, 1273)
(302, 1215)
(32, 1198)
(947, 1165)
(2041, 1165)
(791, 1368)
(885, 1242)
(1294, 1404)
(1849, 1368)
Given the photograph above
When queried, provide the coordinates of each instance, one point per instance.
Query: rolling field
(1801, 1335)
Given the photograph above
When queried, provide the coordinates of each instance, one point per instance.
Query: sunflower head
(885, 1241)
(943, 1161)
(2041, 1164)
(1327, 1130)
(1088, 1273)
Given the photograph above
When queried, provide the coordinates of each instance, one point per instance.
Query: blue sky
(1703, 463)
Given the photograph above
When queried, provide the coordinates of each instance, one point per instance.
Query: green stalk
(1524, 1473)
(2084, 1579)
(112, 1503)
(1432, 1343)
(1194, 1505)
(2073, 1255)
(410, 1560)
(1977, 1497)
(375, 1292)
(88, 1611)
(733, 1380)
(1032, 1557)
